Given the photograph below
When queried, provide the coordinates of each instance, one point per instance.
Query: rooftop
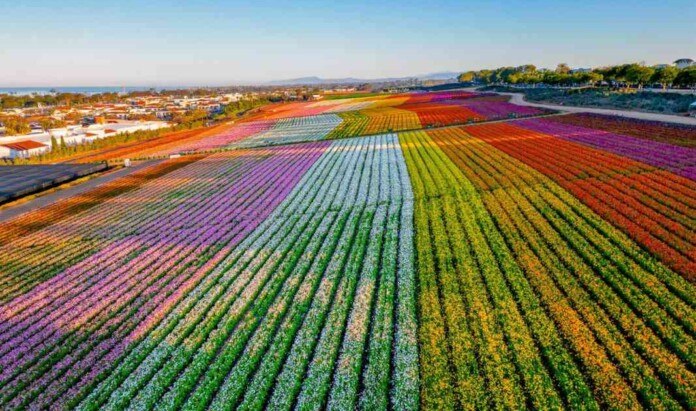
(24, 145)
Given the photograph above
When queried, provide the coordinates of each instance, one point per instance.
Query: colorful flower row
(634, 196)
(680, 160)
(135, 267)
(681, 135)
(524, 264)
(553, 252)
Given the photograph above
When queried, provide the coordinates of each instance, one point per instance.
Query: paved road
(51, 198)
(518, 98)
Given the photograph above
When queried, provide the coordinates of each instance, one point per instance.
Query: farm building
(23, 149)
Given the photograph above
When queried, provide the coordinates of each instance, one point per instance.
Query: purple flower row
(496, 109)
(678, 159)
(152, 281)
(223, 139)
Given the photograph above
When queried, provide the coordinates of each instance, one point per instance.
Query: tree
(49, 123)
(15, 126)
(555, 78)
(191, 118)
(73, 116)
(503, 74)
(665, 76)
(638, 74)
(484, 76)
(686, 77)
(466, 77)
(515, 77)
(54, 144)
(588, 78)
(562, 68)
(528, 74)
(621, 72)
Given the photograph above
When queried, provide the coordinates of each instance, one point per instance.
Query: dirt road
(518, 98)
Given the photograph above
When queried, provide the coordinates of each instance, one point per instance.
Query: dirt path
(44, 200)
(517, 98)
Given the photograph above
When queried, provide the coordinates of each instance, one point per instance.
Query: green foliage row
(635, 74)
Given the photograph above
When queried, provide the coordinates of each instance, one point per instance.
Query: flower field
(353, 124)
(297, 122)
(495, 107)
(290, 130)
(438, 114)
(651, 205)
(649, 130)
(388, 119)
(165, 144)
(393, 114)
(529, 298)
(271, 254)
(539, 263)
(678, 159)
(125, 263)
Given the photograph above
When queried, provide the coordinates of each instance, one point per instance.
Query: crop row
(439, 114)
(49, 349)
(681, 135)
(527, 298)
(292, 130)
(300, 295)
(523, 265)
(213, 304)
(679, 160)
(493, 108)
(640, 311)
(332, 119)
(15, 235)
(653, 207)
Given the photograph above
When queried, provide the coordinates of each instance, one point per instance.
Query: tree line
(8, 101)
(633, 74)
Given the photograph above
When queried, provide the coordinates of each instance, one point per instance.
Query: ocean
(20, 91)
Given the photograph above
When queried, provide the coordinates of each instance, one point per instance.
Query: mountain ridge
(312, 80)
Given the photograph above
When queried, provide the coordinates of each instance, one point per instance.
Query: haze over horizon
(212, 43)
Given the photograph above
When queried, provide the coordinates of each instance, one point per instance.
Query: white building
(683, 63)
(233, 97)
(58, 132)
(77, 134)
(23, 149)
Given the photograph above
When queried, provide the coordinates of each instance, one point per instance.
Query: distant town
(33, 124)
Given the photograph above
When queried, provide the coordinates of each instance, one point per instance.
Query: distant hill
(308, 81)
(314, 80)
(445, 75)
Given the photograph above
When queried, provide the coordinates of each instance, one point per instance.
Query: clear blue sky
(148, 43)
